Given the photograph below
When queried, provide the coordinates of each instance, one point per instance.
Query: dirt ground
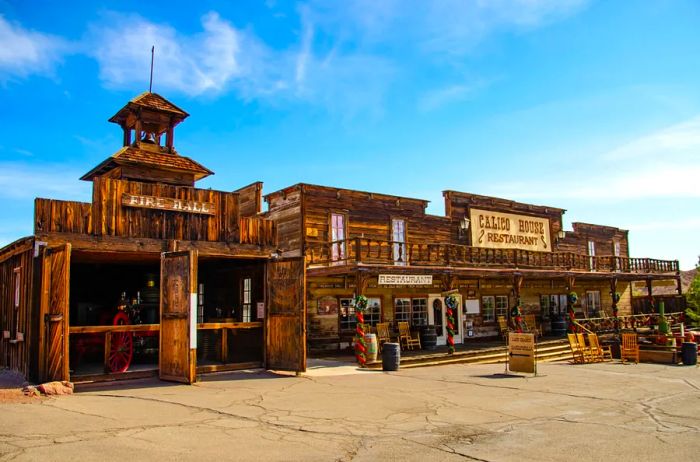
(11, 384)
(596, 412)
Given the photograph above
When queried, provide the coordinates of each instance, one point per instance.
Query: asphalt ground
(597, 412)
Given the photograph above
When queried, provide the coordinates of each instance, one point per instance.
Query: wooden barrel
(428, 337)
(371, 342)
(689, 353)
(391, 356)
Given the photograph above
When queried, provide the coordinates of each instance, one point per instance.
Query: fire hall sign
(497, 230)
(166, 203)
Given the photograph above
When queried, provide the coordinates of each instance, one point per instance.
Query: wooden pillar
(679, 287)
(127, 136)
(169, 136)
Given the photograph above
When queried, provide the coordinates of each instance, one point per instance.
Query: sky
(589, 106)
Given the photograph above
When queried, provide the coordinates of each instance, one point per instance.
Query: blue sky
(590, 106)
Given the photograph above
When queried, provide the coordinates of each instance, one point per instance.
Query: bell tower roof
(145, 121)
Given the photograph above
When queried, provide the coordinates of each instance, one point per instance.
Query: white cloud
(24, 52)
(449, 94)
(662, 164)
(205, 62)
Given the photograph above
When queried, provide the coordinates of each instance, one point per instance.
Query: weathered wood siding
(604, 237)
(112, 219)
(250, 199)
(16, 354)
(54, 216)
(286, 211)
(458, 205)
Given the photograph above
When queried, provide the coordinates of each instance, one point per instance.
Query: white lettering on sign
(497, 230)
(166, 203)
(405, 280)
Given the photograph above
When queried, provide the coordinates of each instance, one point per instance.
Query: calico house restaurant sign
(497, 230)
(405, 280)
(166, 203)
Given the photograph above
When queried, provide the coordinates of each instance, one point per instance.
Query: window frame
(339, 247)
(398, 244)
(483, 308)
(350, 324)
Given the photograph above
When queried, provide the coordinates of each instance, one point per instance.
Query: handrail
(388, 252)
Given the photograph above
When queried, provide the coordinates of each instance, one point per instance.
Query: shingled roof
(131, 155)
(151, 101)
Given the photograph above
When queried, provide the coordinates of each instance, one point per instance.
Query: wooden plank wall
(457, 206)
(17, 355)
(285, 346)
(250, 199)
(603, 236)
(55, 216)
(286, 211)
(369, 216)
(257, 231)
(111, 218)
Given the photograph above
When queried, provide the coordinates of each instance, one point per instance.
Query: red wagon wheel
(122, 348)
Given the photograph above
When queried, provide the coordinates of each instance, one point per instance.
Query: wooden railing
(372, 251)
(634, 321)
(258, 231)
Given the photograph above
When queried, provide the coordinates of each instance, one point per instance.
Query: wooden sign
(405, 280)
(166, 203)
(521, 352)
(497, 230)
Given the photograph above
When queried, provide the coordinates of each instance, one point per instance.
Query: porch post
(615, 299)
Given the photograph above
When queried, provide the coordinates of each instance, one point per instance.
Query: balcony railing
(379, 252)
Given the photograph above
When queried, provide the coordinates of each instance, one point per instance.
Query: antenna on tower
(150, 84)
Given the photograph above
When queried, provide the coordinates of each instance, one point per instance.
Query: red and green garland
(360, 304)
(517, 315)
(572, 299)
(452, 304)
(615, 299)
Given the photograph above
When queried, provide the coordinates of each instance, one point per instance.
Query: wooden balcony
(389, 253)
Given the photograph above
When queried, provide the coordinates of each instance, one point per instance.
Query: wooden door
(285, 333)
(178, 316)
(53, 314)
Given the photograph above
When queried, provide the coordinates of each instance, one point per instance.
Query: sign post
(521, 353)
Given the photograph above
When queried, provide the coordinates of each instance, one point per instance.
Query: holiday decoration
(572, 298)
(360, 305)
(615, 299)
(517, 317)
(452, 304)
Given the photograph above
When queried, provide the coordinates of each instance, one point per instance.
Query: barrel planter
(428, 337)
(689, 353)
(371, 343)
(558, 325)
(391, 356)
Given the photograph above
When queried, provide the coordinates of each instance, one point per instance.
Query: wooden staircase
(547, 351)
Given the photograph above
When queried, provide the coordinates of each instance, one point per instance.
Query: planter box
(662, 356)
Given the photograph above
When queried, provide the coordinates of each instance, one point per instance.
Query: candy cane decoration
(360, 303)
(572, 299)
(451, 303)
(615, 299)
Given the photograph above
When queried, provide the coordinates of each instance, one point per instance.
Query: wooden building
(490, 252)
(153, 275)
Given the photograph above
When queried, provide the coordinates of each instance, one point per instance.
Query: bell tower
(148, 153)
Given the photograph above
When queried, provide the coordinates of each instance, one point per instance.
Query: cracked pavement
(592, 412)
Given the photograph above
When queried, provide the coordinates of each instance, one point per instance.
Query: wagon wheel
(122, 348)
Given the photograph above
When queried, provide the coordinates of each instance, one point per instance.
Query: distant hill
(687, 277)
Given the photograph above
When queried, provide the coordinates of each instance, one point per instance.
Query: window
(337, 237)
(593, 303)
(402, 309)
(373, 313)
(200, 302)
(616, 248)
(488, 305)
(347, 315)
(398, 244)
(419, 316)
(247, 299)
(18, 277)
(591, 253)
(502, 305)
(411, 310)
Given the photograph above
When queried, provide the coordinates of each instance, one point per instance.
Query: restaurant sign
(405, 280)
(166, 203)
(497, 230)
